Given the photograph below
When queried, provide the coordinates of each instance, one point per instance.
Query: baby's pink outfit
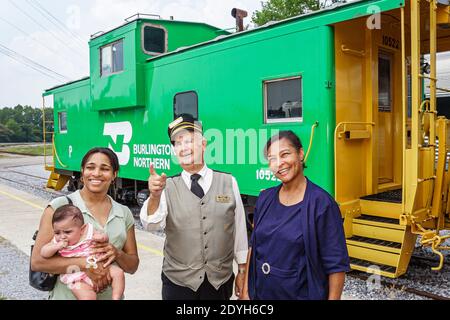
(81, 249)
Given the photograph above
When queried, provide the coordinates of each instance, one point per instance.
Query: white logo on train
(143, 154)
(114, 130)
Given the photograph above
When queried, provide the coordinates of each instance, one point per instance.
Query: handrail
(359, 53)
(138, 15)
(350, 122)
(313, 129)
(44, 131)
(56, 153)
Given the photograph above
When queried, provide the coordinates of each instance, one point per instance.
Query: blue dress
(295, 248)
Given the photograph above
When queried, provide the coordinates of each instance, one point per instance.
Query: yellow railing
(45, 133)
(313, 129)
(425, 221)
(55, 153)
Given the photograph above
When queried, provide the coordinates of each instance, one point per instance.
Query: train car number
(391, 42)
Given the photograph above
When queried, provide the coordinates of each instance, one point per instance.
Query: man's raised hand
(156, 182)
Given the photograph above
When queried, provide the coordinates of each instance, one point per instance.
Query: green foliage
(23, 124)
(275, 10)
(5, 133)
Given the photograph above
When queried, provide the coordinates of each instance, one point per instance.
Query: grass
(28, 150)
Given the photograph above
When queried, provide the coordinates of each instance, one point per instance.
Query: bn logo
(121, 134)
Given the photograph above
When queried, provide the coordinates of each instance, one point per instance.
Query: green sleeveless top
(119, 222)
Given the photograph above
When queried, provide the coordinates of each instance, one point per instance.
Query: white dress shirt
(158, 219)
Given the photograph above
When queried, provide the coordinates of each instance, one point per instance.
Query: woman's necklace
(292, 197)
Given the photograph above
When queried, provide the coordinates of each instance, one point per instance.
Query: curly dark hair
(107, 152)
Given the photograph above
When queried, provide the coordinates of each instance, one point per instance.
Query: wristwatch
(241, 270)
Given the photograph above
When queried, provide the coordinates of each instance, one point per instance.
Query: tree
(275, 10)
(23, 124)
(5, 134)
(16, 129)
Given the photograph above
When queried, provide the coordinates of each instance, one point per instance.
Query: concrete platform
(20, 214)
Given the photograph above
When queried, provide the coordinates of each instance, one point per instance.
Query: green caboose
(349, 80)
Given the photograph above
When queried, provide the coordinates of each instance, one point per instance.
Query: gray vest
(199, 233)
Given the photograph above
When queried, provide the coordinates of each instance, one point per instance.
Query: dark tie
(195, 187)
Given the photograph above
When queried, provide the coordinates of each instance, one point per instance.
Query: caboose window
(186, 103)
(62, 120)
(112, 58)
(154, 39)
(283, 100)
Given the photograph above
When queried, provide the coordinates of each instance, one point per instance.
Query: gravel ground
(419, 275)
(14, 274)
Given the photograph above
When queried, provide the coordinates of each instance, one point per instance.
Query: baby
(74, 238)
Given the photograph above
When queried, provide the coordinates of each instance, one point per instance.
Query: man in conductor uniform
(203, 216)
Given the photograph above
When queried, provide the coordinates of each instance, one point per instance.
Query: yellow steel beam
(436, 209)
(379, 224)
(373, 232)
(404, 104)
(433, 80)
(373, 246)
(372, 270)
(412, 155)
(376, 256)
(381, 209)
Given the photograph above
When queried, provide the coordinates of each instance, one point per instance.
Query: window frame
(111, 44)
(185, 92)
(61, 131)
(266, 110)
(387, 56)
(166, 38)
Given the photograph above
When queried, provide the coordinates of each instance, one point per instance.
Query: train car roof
(335, 7)
(101, 33)
(65, 84)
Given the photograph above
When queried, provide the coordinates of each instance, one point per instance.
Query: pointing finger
(152, 170)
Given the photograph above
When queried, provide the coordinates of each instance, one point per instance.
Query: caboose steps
(383, 209)
(370, 267)
(56, 181)
(378, 228)
(377, 243)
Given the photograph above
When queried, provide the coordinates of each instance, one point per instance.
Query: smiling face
(69, 229)
(189, 148)
(285, 161)
(98, 173)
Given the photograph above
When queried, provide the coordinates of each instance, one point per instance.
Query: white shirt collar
(202, 172)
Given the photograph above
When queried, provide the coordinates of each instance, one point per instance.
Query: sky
(55, 35)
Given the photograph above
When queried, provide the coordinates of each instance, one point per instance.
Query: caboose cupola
(118, 57)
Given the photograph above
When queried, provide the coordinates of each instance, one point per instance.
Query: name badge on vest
(223, 199)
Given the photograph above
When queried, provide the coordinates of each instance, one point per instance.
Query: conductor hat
(184, 122)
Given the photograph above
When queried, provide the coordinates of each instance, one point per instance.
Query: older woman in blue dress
(298, 249)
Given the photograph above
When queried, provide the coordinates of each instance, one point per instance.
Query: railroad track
(27, 185)
(393, 286)
(24, 174)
